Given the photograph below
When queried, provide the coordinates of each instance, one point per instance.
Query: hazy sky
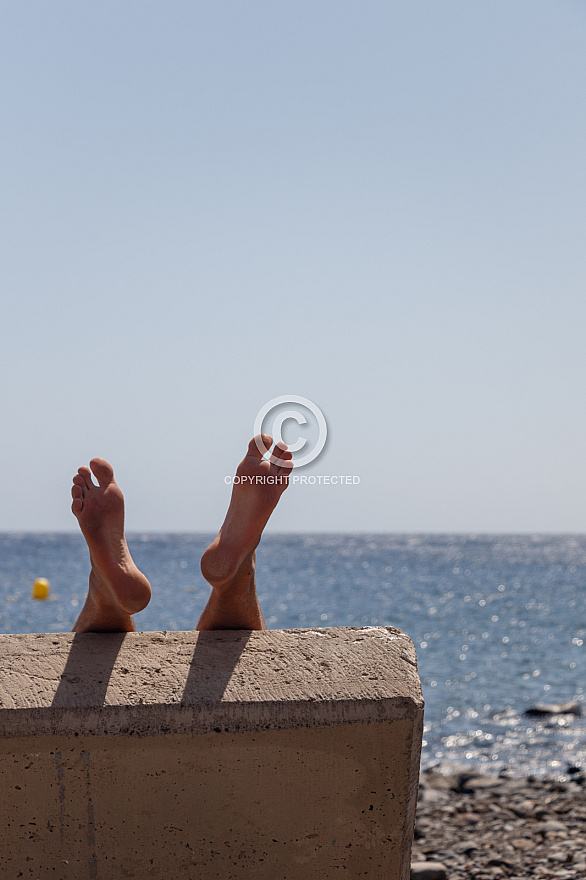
(378, 206)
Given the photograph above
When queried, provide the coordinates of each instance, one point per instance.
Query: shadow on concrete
(214, 659)
(86, 676)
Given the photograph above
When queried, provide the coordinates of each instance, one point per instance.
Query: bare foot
(117, 589)
(228, 563)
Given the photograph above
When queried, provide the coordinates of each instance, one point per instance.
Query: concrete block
(269, 755)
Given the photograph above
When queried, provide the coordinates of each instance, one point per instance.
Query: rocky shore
(479, 827)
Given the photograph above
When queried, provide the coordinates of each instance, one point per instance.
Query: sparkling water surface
(499, 622)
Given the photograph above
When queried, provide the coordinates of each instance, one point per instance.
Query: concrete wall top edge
(146, 683)
(141, 721)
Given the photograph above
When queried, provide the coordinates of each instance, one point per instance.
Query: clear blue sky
(378, 206)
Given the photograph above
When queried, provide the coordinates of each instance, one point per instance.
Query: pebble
(499, 827)
(428, 871)
(551, 827)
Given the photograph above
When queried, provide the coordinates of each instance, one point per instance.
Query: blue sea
(499, 622)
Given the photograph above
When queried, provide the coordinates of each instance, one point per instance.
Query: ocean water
(499, 622)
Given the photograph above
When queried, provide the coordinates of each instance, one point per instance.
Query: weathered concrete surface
(281, 754)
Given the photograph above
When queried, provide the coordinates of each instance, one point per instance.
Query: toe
(282, 460)
(284, 467)
(281, 451)
(77, 506)
(76, 490)
(85, 474)
(260, 445)
(102, 470)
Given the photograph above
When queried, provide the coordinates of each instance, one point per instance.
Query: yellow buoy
(41, 588)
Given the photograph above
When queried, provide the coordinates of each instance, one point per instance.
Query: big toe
(260, 445)
(102, 470)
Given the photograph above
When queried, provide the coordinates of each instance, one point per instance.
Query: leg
(117, 589)
(228, 563)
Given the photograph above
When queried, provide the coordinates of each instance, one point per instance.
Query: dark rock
(419, 832)
(500, 862)
(577, 773)
(572, 707)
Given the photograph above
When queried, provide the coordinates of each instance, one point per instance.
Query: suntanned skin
(229, 562)
(118, 589)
